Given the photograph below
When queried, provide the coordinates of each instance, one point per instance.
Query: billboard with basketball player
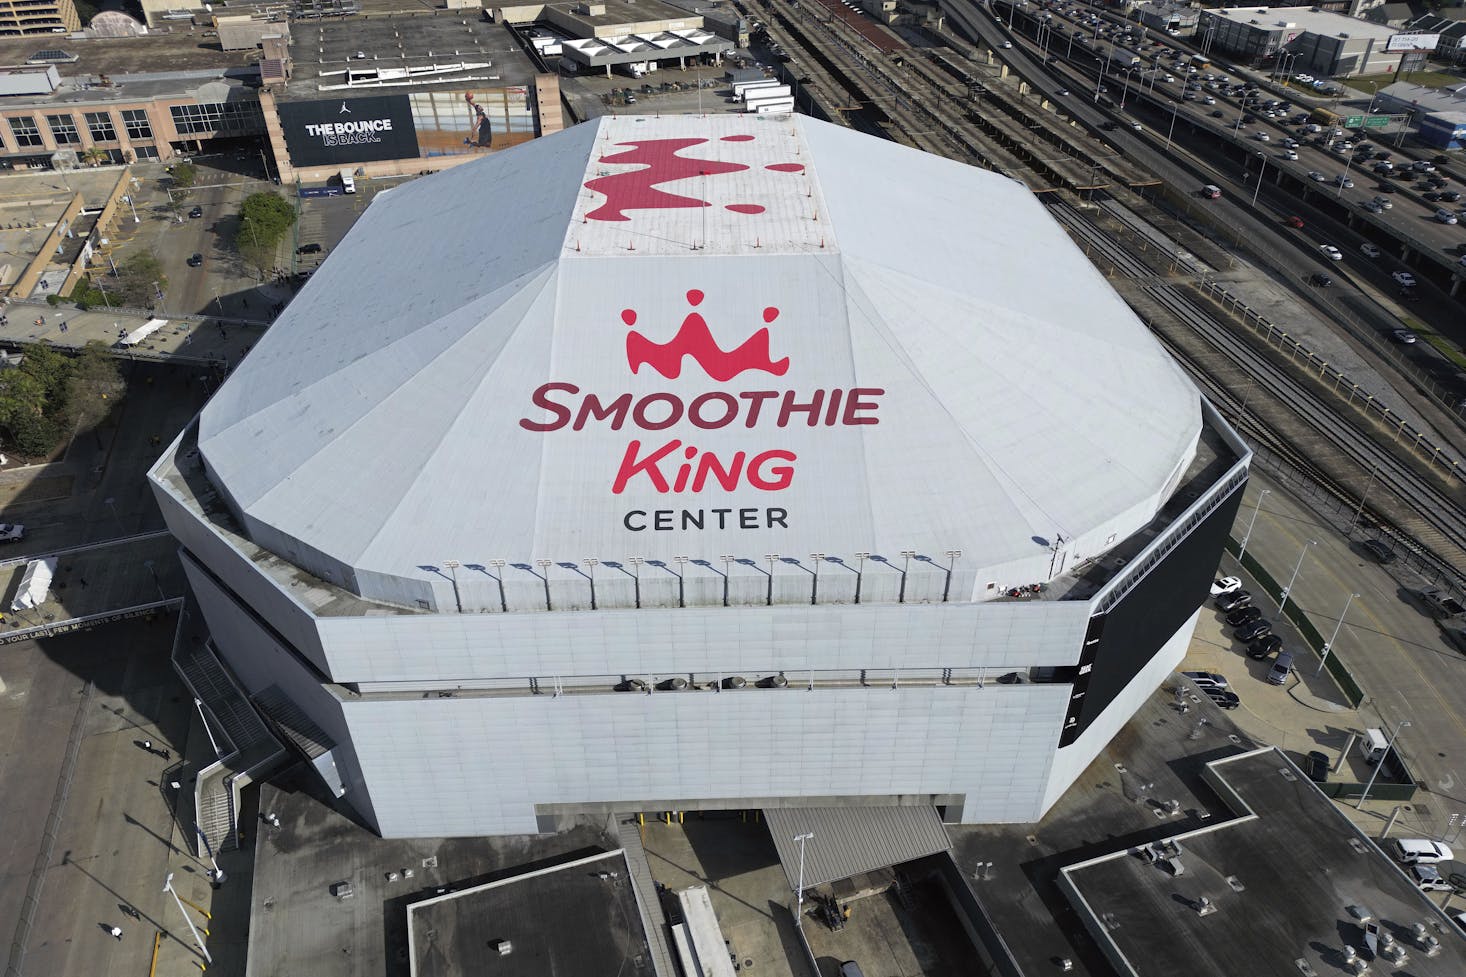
(477, 121)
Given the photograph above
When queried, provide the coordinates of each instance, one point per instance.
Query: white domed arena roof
(810, 340)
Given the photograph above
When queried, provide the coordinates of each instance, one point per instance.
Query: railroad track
(1433, 518)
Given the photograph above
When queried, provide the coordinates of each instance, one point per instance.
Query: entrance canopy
(848, 841)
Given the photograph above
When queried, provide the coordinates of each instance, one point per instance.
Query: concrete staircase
(244, 746)
(653, 919)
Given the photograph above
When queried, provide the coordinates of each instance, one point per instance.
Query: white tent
(34, 584)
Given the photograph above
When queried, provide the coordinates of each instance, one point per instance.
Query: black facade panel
(349, 130)
(1122, 642)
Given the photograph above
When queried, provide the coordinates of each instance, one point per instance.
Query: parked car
(1282, 668)
(1251, 632)
(1233, 601)
(1225, 585)
(1382, 554)
(1207, 678)
(1420, 851)
(1243, 615)
(311, 248)
(1225, 698)
(1316, 765)
(1264, 647)
(1428, 879)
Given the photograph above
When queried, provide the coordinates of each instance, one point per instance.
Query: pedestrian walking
(148, 745)
(83, 582)
(116, 932)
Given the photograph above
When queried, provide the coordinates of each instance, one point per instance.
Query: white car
(1369, 250)
(1331, 252)
(1007, 44)
(1317, 177)
(1412, 851)
(1404, 279)
(1261, 136)
(11, 532)
(1225, 585)
(1289, 154)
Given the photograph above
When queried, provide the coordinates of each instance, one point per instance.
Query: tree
(139, 279)
(264, 219)
(94, 387)
(94, 156)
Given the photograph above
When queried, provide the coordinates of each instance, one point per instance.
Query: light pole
(156, 583)
(1388, 748)
(799, 898)
(1261, 169)
(1360, 507)
(1328, 646)
(1344, 177)
(1175, 107)
(1291, 580)
(168, 887)
(135, 218)
(1251, 522)
(216, 875)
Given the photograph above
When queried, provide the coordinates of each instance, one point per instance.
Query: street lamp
(799, 899)
(1360, 507)
(1288, 590)
(168, 887)
(135, 218)
(1328, 645)
(1388, 748)
(156, 583)
(1248, 535)
(1261, 170)
(1175, 107)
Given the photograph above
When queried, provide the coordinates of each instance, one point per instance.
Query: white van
(348, 182)
(1373, 745)
(1420, 851)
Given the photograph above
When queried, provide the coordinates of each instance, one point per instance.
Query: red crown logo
(693, 339)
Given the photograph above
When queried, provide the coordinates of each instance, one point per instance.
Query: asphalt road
(110, 690)
(97, 491)
(1412, 215)
(1390, 642)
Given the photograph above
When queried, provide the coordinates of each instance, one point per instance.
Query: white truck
(11, 532)
(782, 106)
(740, 87)
(348, 182)
(752, 96)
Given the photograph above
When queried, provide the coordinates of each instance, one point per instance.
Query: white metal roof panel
(866, 349)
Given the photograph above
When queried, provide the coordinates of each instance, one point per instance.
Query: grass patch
(1443, 344)
(1367, 84)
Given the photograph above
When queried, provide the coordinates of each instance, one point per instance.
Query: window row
(100, 125)
(221, 117)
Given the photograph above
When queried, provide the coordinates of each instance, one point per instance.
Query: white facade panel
(672, 641)
(447, 775)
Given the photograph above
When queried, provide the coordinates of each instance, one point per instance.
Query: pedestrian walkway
(189, 339)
